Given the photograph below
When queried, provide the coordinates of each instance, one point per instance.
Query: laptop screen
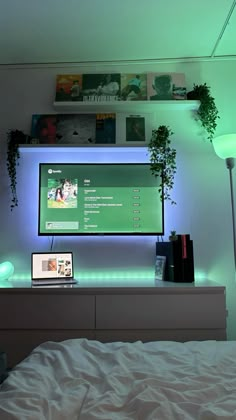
(52, 265)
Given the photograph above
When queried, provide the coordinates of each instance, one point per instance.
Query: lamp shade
(225, 146)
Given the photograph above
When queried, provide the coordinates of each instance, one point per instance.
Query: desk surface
(116, 286)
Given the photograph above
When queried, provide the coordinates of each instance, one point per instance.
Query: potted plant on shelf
(207, 112)
(14, 138)
(163, 160)
(173, 236)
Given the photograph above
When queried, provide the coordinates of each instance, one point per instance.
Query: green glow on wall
(21, 277)
(107, 278)
(200, 276)
(116, 278)
(115, 274)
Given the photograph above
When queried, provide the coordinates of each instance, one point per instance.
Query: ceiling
(77, 31)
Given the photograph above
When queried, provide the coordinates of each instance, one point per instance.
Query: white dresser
(166, 311)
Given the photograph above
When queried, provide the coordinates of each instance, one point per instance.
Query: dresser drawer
(160, 311)
(41, 311)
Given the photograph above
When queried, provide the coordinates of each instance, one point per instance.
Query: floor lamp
(225, 148)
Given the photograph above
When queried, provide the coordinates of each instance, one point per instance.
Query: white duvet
(82, 379)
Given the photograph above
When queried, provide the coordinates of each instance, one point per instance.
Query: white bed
(85, 379)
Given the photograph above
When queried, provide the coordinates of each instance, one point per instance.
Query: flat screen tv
(99, 199)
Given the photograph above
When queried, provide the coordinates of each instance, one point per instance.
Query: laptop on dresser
(52, 268)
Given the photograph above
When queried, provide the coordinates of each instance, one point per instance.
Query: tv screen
(99, 199)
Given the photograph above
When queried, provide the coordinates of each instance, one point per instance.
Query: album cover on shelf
(101, 87)
(166, 86)
(105, 128)
(133, 87)
(43, 129)
(76, 129)
(69, 87)
(134, 129)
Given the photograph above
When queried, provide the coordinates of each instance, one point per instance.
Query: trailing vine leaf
(163, 160)
(207, 112)
(14, 138)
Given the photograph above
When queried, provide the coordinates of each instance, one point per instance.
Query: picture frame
(143, 122)
(160, 266)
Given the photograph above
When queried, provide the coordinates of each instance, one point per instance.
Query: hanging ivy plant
(14, 138)
(163, 160)
(207, 112)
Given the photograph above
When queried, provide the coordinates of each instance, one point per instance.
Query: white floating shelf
(125, 106)
(131, 107)
(74, 147)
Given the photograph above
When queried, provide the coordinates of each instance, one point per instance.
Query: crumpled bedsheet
(85, 379)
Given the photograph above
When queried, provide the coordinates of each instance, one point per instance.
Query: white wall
(201, 184)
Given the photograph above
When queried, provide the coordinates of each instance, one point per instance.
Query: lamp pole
(230, 166)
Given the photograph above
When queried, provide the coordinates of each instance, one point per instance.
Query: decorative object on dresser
(173, 235)
(6, 270)
(160, 267)
(179, 259)
(225, 148)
